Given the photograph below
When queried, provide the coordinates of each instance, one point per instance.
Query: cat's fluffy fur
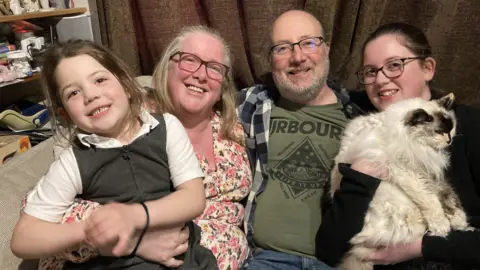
(408, 143)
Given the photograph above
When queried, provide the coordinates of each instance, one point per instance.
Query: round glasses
(191, 63)
(307, 45)
(391, 69)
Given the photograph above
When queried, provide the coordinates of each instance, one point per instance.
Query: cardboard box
(13, 145)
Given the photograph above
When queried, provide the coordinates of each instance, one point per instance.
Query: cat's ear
(447, 101)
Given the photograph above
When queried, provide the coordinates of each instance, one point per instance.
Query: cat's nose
(445, 126)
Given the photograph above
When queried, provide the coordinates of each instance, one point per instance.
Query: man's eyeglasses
(191, 63)
(391, 69)
(307, 45)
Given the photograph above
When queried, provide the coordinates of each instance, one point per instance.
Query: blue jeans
(267, 259)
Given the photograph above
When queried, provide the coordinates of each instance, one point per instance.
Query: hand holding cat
(366, 167)
(397, 253)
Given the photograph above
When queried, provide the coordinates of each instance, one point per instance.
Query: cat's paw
(458, 221)
(439, 228)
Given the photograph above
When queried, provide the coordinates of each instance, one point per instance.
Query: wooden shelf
(35, 76)
(44, 14)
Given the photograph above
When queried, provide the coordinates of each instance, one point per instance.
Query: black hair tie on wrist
(144, 229)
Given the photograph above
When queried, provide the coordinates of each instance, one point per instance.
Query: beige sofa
(17, 177)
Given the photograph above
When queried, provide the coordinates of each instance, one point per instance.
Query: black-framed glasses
(391, 69)
(307, 45)
(191, 63)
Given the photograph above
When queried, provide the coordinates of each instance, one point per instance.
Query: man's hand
(397, 253)
(161, 245)
(111, 229)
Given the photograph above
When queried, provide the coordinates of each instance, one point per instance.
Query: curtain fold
(118, 30)
(138, 31)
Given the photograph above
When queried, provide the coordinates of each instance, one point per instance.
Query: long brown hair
(227, 104)
(107, 59)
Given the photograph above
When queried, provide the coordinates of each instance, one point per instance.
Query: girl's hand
(111, 229)
(397, 253)
(161, 245)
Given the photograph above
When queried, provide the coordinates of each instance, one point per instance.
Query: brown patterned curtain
(138, 30)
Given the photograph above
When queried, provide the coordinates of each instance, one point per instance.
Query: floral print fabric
(225, 187)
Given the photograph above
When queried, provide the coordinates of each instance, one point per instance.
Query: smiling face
(92, 96)
(195, 92)
(413, 82)
(301, 76)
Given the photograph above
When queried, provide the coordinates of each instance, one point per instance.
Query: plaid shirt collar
(254, 110)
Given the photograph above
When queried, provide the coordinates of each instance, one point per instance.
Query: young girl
(143, 168)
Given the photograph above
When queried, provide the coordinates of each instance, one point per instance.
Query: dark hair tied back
(413, 38)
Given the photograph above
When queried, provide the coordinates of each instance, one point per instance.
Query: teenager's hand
(367, 167)
(397, 253)
(111, 229)
(161, 245)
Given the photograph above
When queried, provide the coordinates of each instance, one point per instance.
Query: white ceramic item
(44, 4)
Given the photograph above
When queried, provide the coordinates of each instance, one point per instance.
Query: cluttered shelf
(24, 38)
(44, 14)
(35, 76)
(24, 125)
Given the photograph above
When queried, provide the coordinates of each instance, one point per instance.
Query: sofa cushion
(17, 177)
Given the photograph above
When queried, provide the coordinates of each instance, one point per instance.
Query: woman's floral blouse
(225, 187)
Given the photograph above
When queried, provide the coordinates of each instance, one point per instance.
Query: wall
(83, 3)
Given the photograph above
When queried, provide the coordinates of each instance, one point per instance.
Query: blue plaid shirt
(255, 106)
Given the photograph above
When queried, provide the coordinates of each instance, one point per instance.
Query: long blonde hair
(227, 104)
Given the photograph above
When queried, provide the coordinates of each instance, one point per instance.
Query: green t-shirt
(303, 143)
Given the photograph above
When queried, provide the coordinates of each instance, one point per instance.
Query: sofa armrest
(17, 177)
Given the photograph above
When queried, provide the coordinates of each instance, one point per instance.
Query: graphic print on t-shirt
(303, 144)
(303, 141)
(302, 169)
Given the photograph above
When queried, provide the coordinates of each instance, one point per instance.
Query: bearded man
(293, 132)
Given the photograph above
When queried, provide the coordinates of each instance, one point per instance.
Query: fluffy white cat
(407, 142)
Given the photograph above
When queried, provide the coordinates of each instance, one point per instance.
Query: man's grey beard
(298, 94)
